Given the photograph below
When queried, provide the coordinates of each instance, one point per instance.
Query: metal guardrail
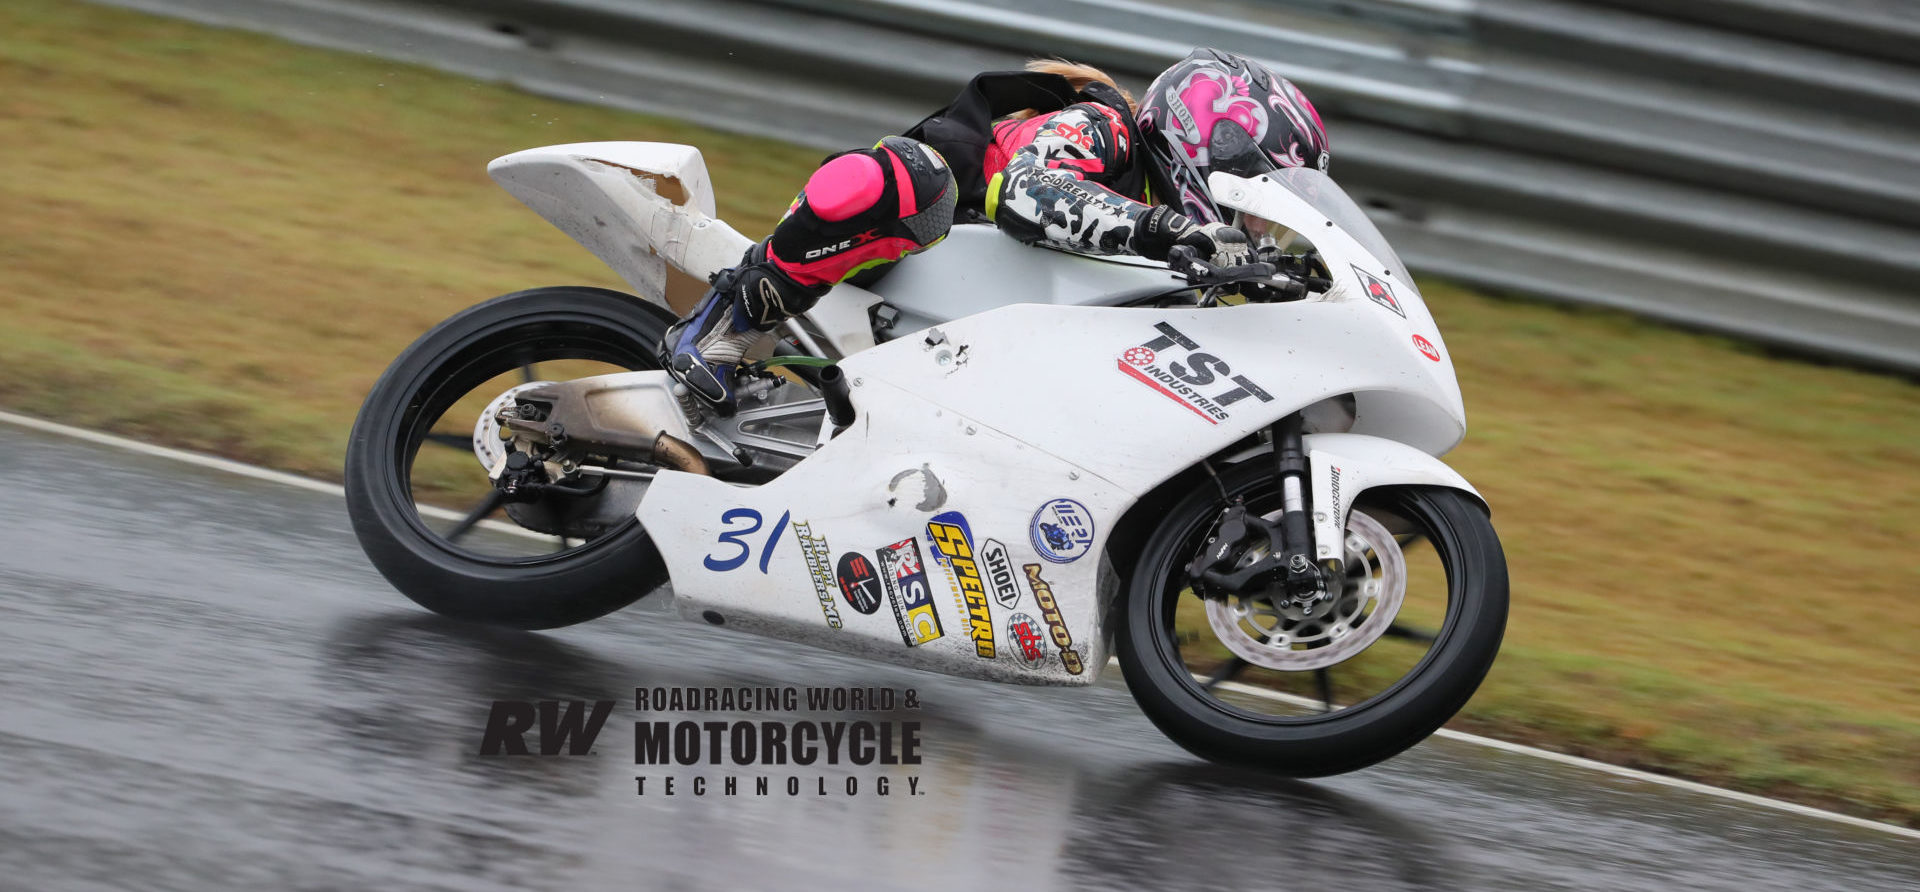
(1749, 167)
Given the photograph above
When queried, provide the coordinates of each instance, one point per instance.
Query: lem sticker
(1062, 531)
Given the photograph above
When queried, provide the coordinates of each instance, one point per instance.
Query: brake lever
(1186, 262)
(1244, 272)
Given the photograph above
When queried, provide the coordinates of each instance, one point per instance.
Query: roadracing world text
(828, 756)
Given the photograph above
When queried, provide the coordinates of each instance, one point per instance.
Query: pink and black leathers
(1071, 179)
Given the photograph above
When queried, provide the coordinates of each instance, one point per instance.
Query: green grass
(218, 240)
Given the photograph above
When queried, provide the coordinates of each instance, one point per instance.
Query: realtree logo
(573, 728)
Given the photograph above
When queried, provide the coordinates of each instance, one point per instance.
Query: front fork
(1288, 568)
(1305, 579)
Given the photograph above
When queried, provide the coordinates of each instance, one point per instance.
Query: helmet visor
(1231, 149)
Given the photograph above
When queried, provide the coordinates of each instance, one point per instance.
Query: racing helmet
(1215, 110)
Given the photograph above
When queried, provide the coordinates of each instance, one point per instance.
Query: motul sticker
(1176, 368)
(1379, 292)
(1426, 348)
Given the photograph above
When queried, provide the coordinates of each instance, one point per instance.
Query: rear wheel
(422, 504)
(1410, 633)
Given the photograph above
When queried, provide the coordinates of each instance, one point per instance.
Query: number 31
(737, 539)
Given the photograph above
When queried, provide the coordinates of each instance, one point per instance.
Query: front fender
(1345, 465)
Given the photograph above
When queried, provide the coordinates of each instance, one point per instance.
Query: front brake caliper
(1222, 568)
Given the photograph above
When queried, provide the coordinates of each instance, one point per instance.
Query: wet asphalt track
(203, 685)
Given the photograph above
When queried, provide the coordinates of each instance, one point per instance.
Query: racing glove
(1163, 228)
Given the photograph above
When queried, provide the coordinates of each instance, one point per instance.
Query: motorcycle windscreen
(1325, 196)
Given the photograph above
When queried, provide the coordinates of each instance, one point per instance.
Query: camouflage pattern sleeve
(1050, 192)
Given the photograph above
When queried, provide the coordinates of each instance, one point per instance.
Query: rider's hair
(1076, 74)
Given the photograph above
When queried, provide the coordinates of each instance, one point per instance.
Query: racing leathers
(866, 209)
(1049, 177)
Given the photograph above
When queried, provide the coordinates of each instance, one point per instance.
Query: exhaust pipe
(670, 451)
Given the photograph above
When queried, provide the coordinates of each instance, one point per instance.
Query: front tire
(447, 364)
(1225, 722)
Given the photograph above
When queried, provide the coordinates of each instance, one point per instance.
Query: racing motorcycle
(998, 461)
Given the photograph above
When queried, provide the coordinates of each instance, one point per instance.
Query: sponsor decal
(1426, 348)
(1056, 626)
(905, 580)
(1176, 368)
(859, 583)
(1027, 639)
(1062, 531)
(1379, 292)
(1336, 492)
(1076, 135)
(829, 250)
(820, 566)
(999, 569)
(953, 549)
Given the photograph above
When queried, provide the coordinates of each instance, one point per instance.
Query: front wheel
(1328, 688)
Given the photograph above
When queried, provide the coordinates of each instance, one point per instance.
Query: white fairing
(1013, 419)
(905, 463)
(977, 269)
(1043, 404)
(638, 206)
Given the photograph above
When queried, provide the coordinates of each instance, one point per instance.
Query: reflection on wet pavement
(204, 686)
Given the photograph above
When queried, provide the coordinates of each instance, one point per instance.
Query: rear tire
(543, 324)
(1343, 739)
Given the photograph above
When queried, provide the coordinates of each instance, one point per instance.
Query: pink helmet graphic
(1219, 111)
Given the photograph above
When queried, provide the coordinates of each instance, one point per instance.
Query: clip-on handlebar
(1263, 274)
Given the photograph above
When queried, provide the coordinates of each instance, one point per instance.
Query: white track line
(308, 483)
(243, 469)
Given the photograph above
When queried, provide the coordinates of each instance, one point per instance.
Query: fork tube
(1290, 457)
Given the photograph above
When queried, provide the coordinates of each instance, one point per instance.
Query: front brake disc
(1293, 638)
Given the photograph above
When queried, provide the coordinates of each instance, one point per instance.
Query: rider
(1098, 176)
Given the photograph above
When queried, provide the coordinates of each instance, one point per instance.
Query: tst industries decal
(1173, 365)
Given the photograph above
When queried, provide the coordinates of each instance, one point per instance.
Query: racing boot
(704, 350)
